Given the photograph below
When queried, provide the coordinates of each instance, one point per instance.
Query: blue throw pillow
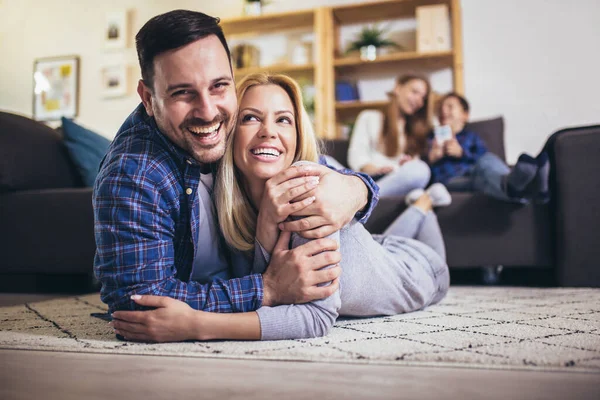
(86, 149)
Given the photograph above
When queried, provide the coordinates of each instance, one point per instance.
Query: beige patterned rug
(484, 327)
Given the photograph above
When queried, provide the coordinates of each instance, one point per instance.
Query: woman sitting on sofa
(383, 274)
(388, 145)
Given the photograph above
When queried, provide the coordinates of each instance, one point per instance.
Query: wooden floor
(66, 376)
(59, 375)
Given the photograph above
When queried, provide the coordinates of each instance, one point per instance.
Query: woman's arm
(367, 129)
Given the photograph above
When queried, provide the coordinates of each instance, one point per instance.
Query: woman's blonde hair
(417, 125)
(236, 214)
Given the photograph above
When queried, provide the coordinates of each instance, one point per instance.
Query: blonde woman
(401, 271)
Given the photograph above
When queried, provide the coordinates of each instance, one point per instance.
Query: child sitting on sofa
(462, 162)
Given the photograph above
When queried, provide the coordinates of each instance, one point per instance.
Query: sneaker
(440, 197)
(413, 196)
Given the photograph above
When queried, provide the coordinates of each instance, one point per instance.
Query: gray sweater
(381, 275)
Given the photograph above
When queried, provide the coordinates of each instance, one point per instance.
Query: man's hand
(337, 199)
(293, 275)
(453, 148)
(171, 321)
(436, 153)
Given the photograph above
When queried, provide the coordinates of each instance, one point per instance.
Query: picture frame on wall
(115, 30)
(114, 80)
(55, 88)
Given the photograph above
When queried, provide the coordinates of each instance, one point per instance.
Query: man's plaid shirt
(146, 224)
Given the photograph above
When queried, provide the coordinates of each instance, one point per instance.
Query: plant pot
(253, 8)
(368, 53)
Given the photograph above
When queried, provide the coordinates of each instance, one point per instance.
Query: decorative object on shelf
(369, 41)
(433, 28)
(245, 56)
(345, 91)
(301, 53)
(308, 95)
(115, 30)
(114, 80)
(253, 7)
(55, 88)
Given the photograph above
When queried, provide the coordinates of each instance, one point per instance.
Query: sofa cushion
(32, 156)
(86, 148)
(491, 131)
(336, 148)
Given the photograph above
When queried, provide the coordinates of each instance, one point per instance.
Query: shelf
(381, 10)
(394, 57)
(355, 106)
(268, 23)
(346, 111)
(276, 68)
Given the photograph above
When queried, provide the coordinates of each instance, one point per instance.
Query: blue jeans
(486, 176)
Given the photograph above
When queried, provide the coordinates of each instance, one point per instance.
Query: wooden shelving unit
(393, 58)
(268, 23)
(278, 68)
(326, 23)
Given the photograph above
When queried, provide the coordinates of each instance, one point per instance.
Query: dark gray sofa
(482, 231)
(46, 219)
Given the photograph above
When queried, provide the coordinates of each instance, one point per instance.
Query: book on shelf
(345, 91)
(433, 28)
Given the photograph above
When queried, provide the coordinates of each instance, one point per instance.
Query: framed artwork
(114, 80)
(55, 88)
(115, 30)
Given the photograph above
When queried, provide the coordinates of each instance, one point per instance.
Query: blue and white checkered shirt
(448, 167)
(146, 224)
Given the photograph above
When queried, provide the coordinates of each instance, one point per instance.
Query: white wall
(535, 62)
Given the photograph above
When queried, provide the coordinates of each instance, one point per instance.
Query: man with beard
(155, 226)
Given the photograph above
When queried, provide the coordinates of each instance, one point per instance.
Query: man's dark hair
(170, 31)
(463, 102)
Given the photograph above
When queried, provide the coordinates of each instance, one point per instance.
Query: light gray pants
(414, 174)
(401, 271)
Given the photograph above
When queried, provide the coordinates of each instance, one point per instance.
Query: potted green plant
(253, 7)
(369, 41)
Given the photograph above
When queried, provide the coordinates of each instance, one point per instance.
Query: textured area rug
(489, 327)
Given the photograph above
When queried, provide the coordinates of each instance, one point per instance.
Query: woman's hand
(404, 158)
(276, 204)
(374, 170)
(171, 321)
(338, 198)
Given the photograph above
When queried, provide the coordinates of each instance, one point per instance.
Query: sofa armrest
(575, 188)
(47, 231)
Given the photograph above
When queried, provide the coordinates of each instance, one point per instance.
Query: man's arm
(341, 196)
(135, 234)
